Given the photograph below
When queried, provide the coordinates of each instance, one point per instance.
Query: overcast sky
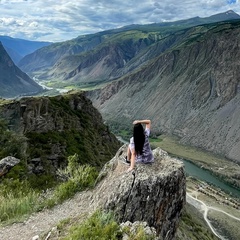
(60, 20)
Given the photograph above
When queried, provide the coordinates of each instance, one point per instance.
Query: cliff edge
(153, 193)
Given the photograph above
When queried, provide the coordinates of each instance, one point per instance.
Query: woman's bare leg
(129, 154)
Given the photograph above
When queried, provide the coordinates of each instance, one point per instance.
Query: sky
(60, 20)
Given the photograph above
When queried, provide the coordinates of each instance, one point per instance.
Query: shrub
(100, 225)
(78, 177)
(12, 144)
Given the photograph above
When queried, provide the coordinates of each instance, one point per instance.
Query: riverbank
(223, 168)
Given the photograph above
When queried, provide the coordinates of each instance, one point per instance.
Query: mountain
(186, 23)
(13, 81)
(183, 75)
(15, 56)
(191, 90)
(102, 56)
(18, 48)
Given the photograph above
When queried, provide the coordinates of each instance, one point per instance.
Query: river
(205, 175)
(41, 83)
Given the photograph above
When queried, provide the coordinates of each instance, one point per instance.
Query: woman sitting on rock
(139, 149)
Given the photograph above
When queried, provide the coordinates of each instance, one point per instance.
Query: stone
(7, 163)
(152, 193)
(133, 228)
(35, 237)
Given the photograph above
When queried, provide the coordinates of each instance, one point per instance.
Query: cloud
(61, 20)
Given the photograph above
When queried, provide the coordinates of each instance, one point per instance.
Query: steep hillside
(57, 127)
(84, 56)
(46, 57)
(103, 63)
(14, 82)
(192, 90)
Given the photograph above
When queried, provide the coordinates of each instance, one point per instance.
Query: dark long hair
(139, 138)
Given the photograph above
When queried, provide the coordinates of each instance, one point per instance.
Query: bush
(17, 197)
(78, 179)
(12, 144)
(99, 226)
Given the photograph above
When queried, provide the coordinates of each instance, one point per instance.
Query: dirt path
(44, 221)
(202, 206)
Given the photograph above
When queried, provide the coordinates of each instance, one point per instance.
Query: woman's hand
(147, 122)
(129, 169)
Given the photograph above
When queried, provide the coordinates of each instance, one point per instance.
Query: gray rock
(152, 193)
(129, 228)
(7, 163)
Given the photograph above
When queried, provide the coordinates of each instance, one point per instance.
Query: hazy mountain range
(14, 82)
(18, 48)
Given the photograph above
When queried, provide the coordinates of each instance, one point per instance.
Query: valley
(221, 210)
(183, 76)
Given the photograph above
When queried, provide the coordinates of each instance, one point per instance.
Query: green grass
(100, 225)
(172, 146)
(155, 140)
(18, 199)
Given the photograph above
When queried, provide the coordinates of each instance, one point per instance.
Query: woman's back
(146, 156)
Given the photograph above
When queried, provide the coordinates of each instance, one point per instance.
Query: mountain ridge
(18, 48)
(184, 74)
(52, 56)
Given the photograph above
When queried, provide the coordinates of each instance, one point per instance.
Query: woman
(139, 149)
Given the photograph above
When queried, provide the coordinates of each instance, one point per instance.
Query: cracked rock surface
(154, 193)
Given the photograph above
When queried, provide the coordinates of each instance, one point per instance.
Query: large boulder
(153, 193)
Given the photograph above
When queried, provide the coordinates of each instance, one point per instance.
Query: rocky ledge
(153, 193)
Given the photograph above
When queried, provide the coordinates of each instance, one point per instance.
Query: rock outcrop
(60, 126)
(153, 198)
(153, 193)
